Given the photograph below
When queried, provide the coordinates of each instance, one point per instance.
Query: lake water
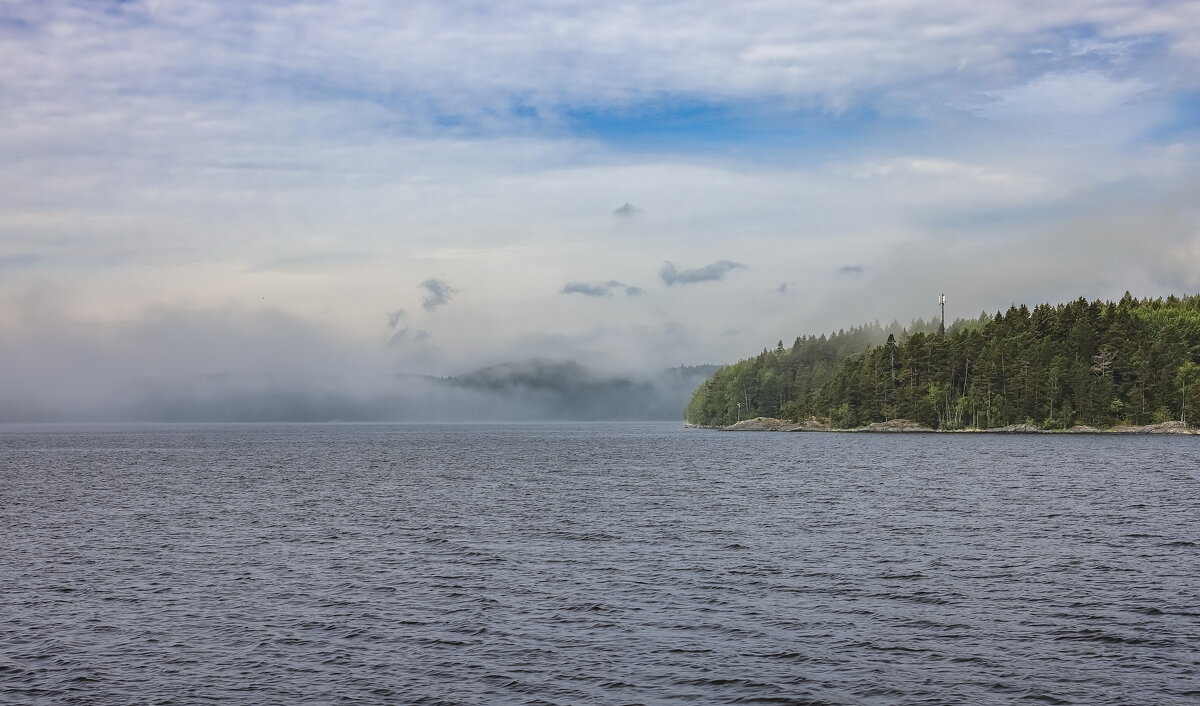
(594, 563)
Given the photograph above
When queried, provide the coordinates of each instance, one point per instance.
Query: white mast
(942, 325)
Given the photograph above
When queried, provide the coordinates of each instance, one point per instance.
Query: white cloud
(455, 58)
(930, 167)
(1070, 96)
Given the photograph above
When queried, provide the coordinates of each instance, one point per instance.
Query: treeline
(1094, 363)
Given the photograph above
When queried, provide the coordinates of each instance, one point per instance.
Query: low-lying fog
(235, 365)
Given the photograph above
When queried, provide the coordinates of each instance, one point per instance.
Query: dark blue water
(564, 564)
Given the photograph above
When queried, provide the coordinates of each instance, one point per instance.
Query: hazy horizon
(314, 197)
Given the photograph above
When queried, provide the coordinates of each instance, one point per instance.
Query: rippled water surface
(603, 563)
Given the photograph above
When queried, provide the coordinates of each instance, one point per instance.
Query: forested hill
(566, 390)
(1094, 363)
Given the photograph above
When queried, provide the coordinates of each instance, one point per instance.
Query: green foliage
(772, 383)
(1097, 363)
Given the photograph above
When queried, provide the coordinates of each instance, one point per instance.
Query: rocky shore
(772, 424)
(906, 426)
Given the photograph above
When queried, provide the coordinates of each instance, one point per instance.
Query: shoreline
(904, 426)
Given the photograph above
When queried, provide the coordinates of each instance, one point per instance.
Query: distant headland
(1131, 366)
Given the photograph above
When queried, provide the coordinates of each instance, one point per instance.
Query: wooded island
(1101, 364)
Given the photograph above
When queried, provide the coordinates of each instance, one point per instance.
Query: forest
(1095, 363)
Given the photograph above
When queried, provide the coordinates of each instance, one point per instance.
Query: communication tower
(942, 324)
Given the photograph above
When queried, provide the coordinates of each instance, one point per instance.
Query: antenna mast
(942, 325)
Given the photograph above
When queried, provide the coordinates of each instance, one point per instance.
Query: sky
(343, 191)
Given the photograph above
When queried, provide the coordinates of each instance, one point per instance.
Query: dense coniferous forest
(1092, 363)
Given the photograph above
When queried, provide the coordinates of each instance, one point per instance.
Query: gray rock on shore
(773, 424)
(762, 424)
(1174, 427)
(902, 426)
(1015, 429)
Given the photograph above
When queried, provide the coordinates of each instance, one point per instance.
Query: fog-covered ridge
(568, 390)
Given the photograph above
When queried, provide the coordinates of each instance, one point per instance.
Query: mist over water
(594, 563)
(236, 365)
(265, 398)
